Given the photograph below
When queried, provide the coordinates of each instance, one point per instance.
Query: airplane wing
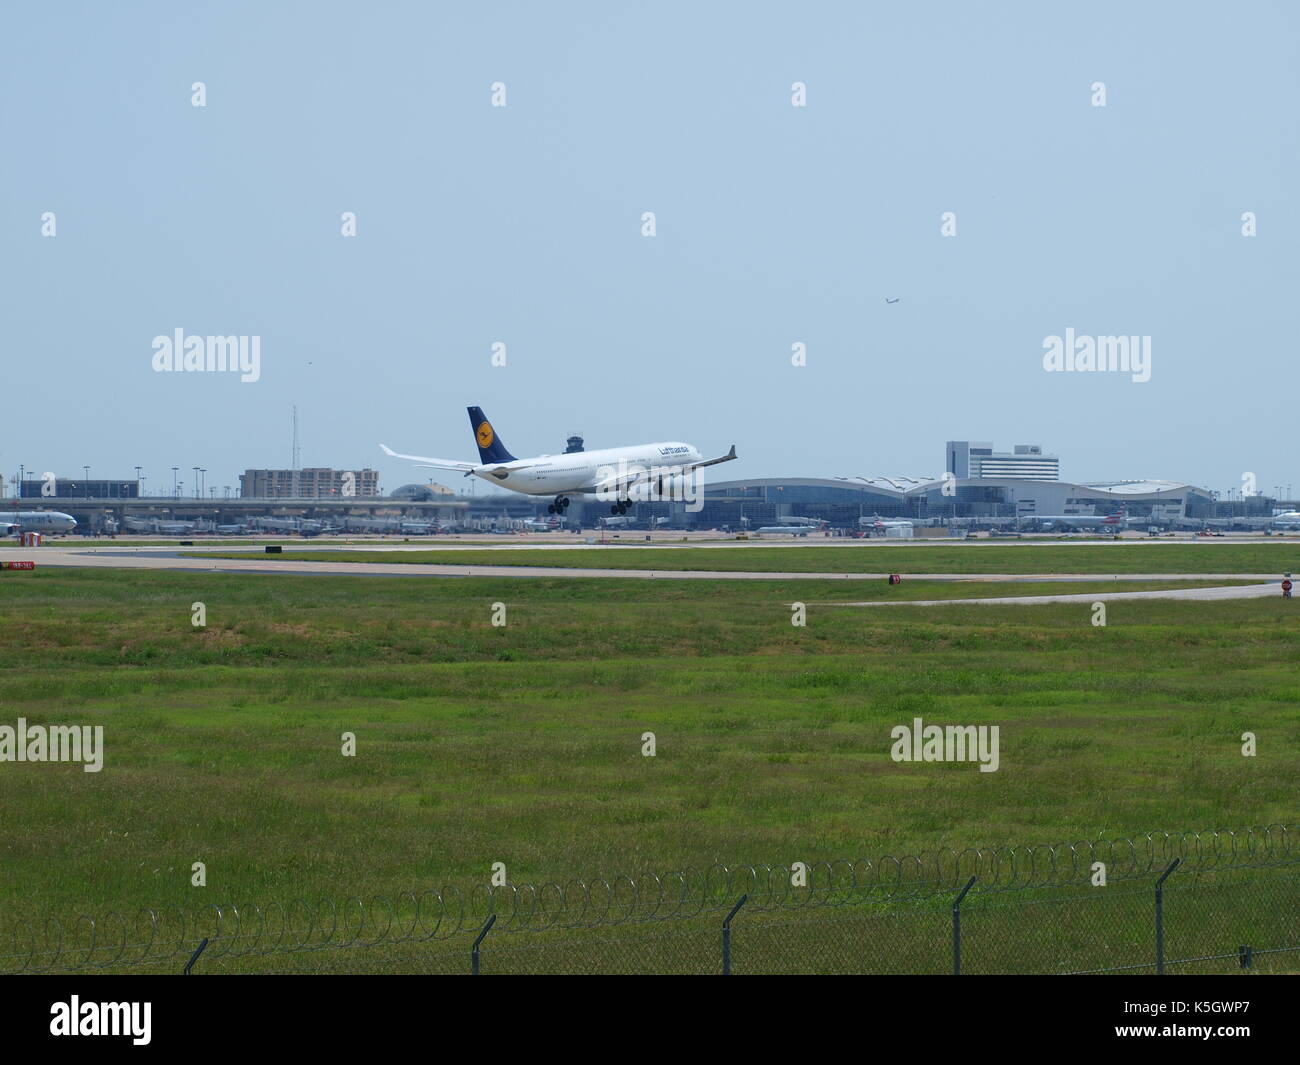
(712, 462)
(433, 464)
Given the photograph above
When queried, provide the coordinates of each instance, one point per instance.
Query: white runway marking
(1245, 591)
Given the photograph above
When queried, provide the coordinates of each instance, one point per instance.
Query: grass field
(522, 743)
(974, 558)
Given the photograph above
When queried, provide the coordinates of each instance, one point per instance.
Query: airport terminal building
(983, 487)
(842, 501)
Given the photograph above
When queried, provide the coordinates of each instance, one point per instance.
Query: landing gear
(621, 508)
(560, 505)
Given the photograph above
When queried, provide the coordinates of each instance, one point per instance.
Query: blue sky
(775, 225)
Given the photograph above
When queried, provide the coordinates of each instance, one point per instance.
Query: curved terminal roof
(1139, 488)
(902, 487)
(898, 486)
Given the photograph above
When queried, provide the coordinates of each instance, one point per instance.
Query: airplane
(1289, 519)
(877, 524)
(1047, 522)
(420, 528)
(579, 472)
(541, 526)
(304, 526)
(42, 521)
(159, 525)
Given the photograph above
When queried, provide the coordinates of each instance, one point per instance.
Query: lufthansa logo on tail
(485, 435)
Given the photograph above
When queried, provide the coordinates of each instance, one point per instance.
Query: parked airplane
(880, 525)
(160, 525)
(614, 472)
(304, 526)
(41, 521)
(419, 528)
(1048, 522)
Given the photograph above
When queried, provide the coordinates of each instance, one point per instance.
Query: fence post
(1245, 957)
(473, 954)
(189, 965)
(726, 935)
(1160, 916)
(956, 928)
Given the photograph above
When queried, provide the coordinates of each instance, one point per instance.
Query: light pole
(175, 489)
(196, 481)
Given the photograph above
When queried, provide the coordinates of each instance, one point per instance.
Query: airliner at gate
(43, 521)
(612, 472)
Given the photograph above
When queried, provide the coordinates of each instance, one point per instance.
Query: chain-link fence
(1175, 903)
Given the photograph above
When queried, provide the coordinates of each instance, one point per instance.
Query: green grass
(522, 744)
(976, 557)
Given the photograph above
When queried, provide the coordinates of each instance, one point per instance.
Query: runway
(129, 557)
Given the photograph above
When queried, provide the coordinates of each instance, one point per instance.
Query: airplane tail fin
(490, 447)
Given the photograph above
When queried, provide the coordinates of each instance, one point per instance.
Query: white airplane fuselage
(1077, 521)
(42, 521)
(548, 475)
